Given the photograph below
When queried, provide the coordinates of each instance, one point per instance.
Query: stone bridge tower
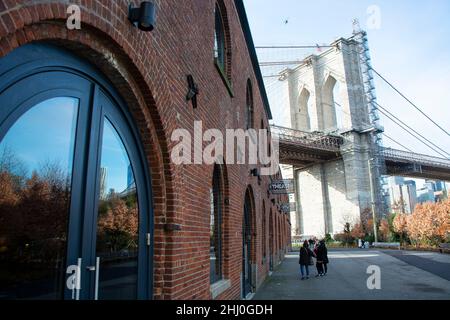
(327, 94)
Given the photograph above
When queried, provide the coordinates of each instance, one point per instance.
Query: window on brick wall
(222, 44)
(250, 108)
(219, 39)
(216, 226)
(264, 248)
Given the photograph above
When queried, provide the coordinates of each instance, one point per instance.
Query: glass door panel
(246, 263)
(36, 160)
(117, 221)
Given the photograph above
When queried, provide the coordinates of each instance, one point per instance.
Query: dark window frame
(222, 50)
(217, 227)
(264, 229)
(250, 108)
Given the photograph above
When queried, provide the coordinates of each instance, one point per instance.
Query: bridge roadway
(303, 149)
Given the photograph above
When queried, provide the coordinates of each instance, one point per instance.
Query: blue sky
(114, 159)
(411, 49)
(44, 135)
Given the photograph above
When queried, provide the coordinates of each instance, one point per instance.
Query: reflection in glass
(117, 226)
(219, 39)
(246, 246)
(36, 157)
(215, 252)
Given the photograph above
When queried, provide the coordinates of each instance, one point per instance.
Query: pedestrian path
(347, 279)
(435, 263)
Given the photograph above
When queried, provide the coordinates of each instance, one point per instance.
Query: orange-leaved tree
(429, 223)
(384, 230)
(400, 225)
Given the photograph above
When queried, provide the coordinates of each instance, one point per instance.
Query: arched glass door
(75, 210)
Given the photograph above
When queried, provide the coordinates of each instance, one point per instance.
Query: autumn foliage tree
(358, 231)
(383, 230)
(400, 225)
(429, 223)
(118, 223)
(363, 229)
(33, 215)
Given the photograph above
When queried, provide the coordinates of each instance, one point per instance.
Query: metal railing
(393, 154)
(312, 140)
(327, 142)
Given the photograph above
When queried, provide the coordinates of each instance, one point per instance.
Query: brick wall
(149, 70)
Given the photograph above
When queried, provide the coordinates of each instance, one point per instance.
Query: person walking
(322, 259)
(319, 265)
(311, 243)
(304, 260)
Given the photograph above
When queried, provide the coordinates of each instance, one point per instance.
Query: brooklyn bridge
(331, 143)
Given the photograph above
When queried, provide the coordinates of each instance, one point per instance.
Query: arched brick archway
(109, 52)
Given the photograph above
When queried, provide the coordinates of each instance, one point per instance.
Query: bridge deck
(402, 163)
(302, 149)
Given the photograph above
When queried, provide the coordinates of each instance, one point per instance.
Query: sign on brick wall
(287, 207)
(285, 186)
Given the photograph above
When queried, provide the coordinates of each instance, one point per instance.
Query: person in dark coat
(304, 260)
(319, 264)
(322, 259)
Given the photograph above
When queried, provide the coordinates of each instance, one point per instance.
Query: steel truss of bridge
(303, 149)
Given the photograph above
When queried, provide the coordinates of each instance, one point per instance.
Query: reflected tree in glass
(36, 157)
(117, 221)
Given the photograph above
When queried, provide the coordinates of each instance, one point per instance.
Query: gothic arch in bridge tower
(303, 116)
(330, 106)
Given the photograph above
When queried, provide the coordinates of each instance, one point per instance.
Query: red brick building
(102, 102)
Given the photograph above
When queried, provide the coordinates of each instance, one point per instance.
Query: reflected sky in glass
(115, 161)
(46, 124)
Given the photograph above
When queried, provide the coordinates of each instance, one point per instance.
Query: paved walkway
(403, 276)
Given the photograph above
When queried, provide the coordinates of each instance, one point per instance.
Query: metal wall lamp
(143, 17)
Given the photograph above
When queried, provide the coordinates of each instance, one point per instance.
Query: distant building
(103, 179)
(439, 186)
(425, 195)
(130, 177)
(438, 189)
(410, 195)
(402, 195)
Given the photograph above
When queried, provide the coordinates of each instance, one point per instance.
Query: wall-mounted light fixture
(254, 172)
(193, 91)
(143, 17)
